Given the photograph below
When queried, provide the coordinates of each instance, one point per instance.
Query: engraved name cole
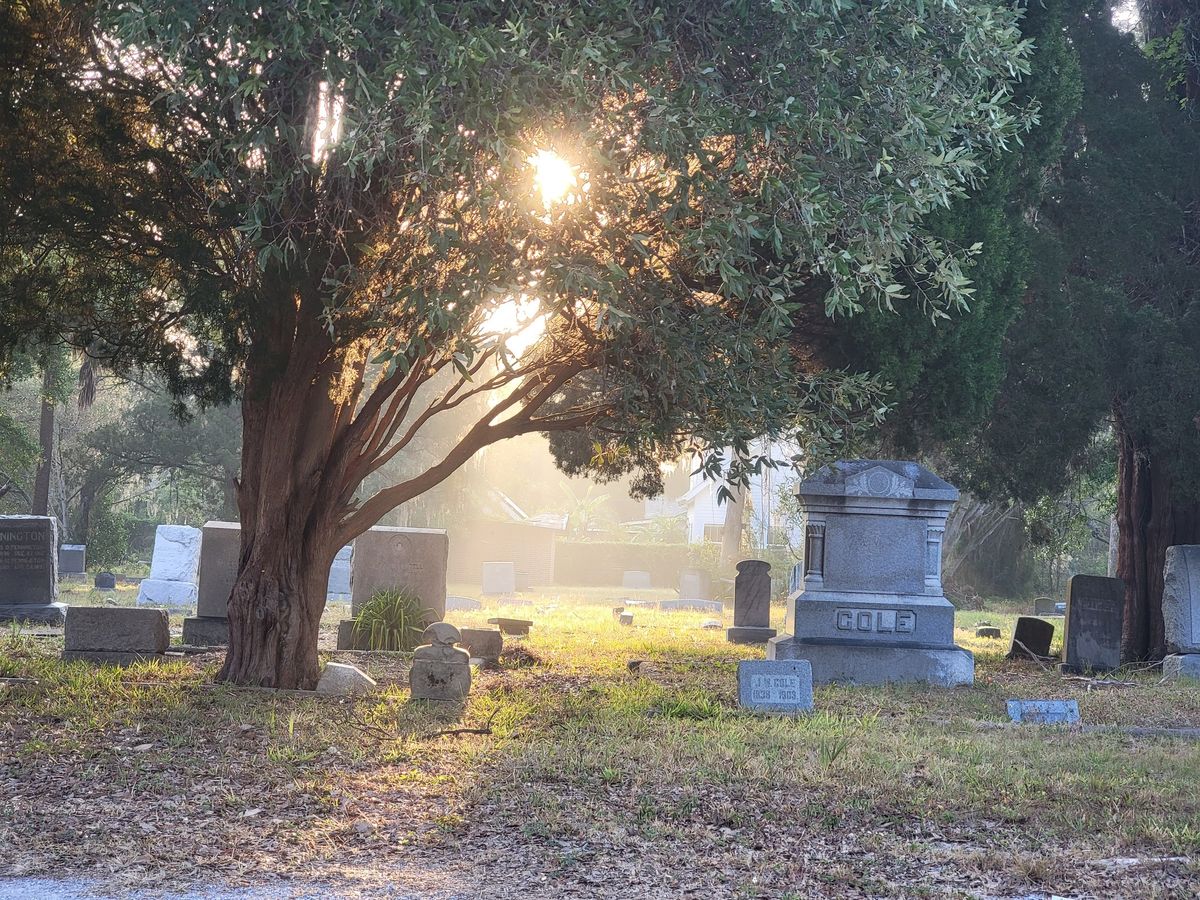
(880, 621)
(774, 688)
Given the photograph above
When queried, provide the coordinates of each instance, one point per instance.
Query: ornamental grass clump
(392, 620)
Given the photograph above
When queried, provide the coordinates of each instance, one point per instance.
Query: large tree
(344, 212)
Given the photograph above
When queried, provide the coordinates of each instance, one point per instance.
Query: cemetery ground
(572, 773)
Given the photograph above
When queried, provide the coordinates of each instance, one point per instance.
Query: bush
(392, 620)
(108, 535)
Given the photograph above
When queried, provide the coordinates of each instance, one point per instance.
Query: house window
(712, 533)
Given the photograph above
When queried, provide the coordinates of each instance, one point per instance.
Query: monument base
(1181, 665)
(171, 594)
(206, 631)
(110, 657)
(878, 663)
(749, 634)
(34, 613)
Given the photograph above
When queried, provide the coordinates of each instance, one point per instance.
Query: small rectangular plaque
(775, 685)
(1044, 712)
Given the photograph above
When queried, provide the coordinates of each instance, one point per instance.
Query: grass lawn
(596, 781)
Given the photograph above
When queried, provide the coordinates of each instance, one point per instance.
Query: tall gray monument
(29, 570)
(1181, 611)
(751, 603)
(1094, 622)
(871, 609)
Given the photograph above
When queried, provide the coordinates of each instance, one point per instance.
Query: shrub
(392, 620)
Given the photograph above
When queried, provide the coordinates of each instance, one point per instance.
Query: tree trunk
(731, 531)
(41, 482)
(1150, 519)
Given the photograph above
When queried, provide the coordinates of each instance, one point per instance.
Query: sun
(553, 176)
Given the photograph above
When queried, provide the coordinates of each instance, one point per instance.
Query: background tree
(350, 214)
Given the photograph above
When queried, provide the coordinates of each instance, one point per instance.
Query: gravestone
(1044, 712)
(72, 559)
(695, 584)
(1045, 606)
(105, 581)
(343, 680)
(751, 603)
(29, 570)
(1092, 630)
(1181, 611)
(388, 558)
(636, 580)
(338, 587)
(796, 578)
(483, 643)
(499, 579)
(512, 627)
(782, 686)
(1031, 635)
(115, 635)
(462, 604)
(682, 604)
(987, 631)
(440, 670)
(173, 568)
(872, 609)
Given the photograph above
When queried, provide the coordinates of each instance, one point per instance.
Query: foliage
(391, 620)
(108, 534)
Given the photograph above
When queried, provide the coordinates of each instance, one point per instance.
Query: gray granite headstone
(752, 603)
(115, 635)
(1181, 598)
(440, 670)
(1045, 606)
(782, 686)
(29, 570)
(1031, 635)
(1092, 630)
(872, 609)
(72, 559)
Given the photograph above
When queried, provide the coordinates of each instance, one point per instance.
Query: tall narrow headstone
(1092, 630)
(1181, 611)
(872, 609)
(29, 570)
(220, 547)
(751, 603)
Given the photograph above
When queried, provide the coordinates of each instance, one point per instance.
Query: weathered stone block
(1092, 630)
(780, 686)
(117, 629)
(72, 559)
(205, 631)
(1181, 599)
(513, 627)
(340, 679)
(878, 663)
(172, 594)
(411, 559)
(483, 643)
(440, 671)
(1182, 665)
(987, 631)
(499, 579)
(747, 634)
(33, 614)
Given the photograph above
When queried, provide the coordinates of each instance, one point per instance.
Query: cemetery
(612, 450)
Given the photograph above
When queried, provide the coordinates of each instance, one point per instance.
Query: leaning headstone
(695, 583)
(1044, 712)
(440, 670)
(499, 579)
(105, 581)
(636, 580)
(173, 568)
(1031, 637)
(72, 559)
(342, 680)
(779, 686)
(1092, 631)
(483, 643)
(872, 609)
(1181, 611)
(29, 570)
(751, 603)
(115, 635)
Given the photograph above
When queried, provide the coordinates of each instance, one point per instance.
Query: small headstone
(1092, 631)
(440, 670)
(115, 634)
(783, 686)
(711, 624)
(695, 583)
(105, 581)
(625, 618)
(72, 559)
(29, 570)
(462, 604)
(173, 568)
(1045, 606)
(636, 580)
(987, 631)
(512, 627)
(1031, 635)
(617, 610)
(499, 578)
(687, 603)
(752, 603)
(1044, 712)
(483, 643)
(343, 680)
